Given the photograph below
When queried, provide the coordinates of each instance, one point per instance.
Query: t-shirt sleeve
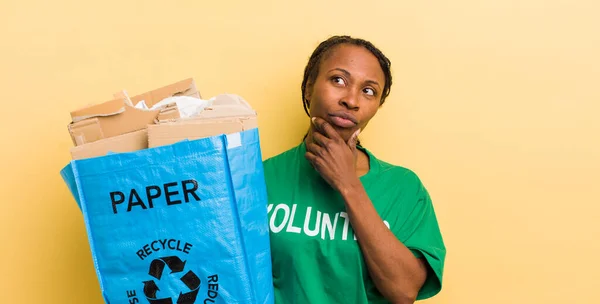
(421, 234)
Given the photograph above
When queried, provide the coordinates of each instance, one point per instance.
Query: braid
(312, 68)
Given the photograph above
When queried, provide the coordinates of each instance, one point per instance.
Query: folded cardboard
(169, 113)
(224, 105)
(108, 119)
(128, 142)
(118, 126)
(171, 132)
(227, 114)
(185, 87)
(108, 108)
(185, 106)
(123, 94)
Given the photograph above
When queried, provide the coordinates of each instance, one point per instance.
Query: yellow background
(495, 105)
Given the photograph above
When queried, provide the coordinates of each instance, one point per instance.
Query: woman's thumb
(353, 140)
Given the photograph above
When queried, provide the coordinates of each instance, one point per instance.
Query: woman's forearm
(396, 272)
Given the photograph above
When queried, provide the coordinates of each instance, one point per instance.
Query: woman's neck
(362, 163)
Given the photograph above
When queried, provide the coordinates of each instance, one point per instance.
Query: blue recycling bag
(184, 223)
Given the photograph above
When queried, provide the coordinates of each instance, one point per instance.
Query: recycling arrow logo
(175, 265)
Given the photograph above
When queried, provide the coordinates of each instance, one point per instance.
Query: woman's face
(347, 90)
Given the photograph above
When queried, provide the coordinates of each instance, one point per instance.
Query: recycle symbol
(175, 265)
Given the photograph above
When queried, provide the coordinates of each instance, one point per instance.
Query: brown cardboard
(185, 87)
(129, 142)
(123, 95)
(106, 125)
(224, 105)
(228, 114)
(85, 131)
(171, 132)
(168, 113)
(108, 108)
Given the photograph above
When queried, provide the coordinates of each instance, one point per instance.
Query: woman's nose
(349, 101)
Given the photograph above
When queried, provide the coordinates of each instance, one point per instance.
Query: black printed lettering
(141, 254)
(168, 194)
(148, 197)
(152, 245)
(212, 294)
(163, 244)
(138, 202)
(131, 295)
(115, 201)
(187, 191)
(151, 196)
(187, 247)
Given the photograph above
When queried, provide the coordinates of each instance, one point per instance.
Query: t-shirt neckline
(374, 164)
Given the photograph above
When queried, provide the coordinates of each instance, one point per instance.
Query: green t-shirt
(316, 258)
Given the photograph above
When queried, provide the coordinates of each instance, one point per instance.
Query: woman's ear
(308, 92)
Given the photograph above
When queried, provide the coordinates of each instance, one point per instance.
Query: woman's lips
(342, 122)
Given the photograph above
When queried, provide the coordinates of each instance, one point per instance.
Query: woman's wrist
(351, 189)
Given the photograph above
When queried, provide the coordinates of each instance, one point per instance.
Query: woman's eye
(339, 80)
(369, 91)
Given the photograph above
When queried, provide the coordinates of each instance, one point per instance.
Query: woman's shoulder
(283, 160)
(401, 174)
(398, 170)
(284, 156)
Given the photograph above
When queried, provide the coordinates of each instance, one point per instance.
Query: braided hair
(311, 71)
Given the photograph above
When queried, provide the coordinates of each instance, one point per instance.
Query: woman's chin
(345, 133)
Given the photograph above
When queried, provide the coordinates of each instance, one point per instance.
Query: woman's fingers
(325, 128)
(320, 139)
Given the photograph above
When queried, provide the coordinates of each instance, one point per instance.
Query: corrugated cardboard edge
(223, 106)
(167, 133)
(169, 113)
(133, 141)
(186, 87)
(90, 126)
(102, 127)
(108, 108)
(123, 95)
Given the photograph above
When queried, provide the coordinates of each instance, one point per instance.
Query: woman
(345, 226)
